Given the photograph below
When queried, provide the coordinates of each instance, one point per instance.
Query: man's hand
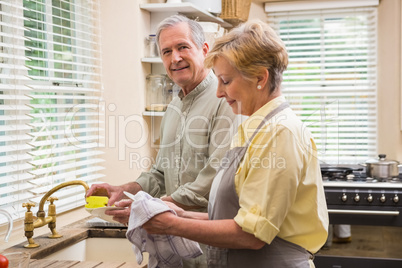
(123, 215)
(115, 193)
(179, 211)
(170, 199)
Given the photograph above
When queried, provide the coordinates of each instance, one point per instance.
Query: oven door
(360, 203)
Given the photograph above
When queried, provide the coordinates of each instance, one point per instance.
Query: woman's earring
(259, 87)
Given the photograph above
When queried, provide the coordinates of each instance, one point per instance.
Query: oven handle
(363, 212)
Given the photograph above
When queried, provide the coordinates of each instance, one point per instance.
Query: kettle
(10, 223)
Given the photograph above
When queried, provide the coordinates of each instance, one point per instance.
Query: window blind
(50, 92)
(331, 79)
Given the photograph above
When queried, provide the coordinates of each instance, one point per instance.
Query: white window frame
(337, 143)
(27, 171)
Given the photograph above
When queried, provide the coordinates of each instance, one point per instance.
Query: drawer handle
(363, 212)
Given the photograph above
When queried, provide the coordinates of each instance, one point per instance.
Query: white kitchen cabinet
(159, 11)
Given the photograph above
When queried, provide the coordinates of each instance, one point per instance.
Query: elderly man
(194, 129)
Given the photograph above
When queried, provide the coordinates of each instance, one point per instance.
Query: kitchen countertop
(77, 264)
(72, 234)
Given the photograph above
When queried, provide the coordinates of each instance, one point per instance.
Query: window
(50, 92)
(331, 78)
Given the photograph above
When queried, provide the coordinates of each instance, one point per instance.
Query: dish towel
(164, 250)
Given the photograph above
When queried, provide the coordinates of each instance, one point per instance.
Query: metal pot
(382, 168)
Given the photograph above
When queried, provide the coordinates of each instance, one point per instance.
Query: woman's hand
(160, 224)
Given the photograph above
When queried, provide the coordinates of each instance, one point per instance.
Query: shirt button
(177, 186)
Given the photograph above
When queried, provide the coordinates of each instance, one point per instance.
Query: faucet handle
(52, 199)
(28, 205)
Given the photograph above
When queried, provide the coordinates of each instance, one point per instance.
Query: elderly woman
(267, 206)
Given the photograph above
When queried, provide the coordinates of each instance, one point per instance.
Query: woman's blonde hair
(249, 48)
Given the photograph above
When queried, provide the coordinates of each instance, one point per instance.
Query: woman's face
(241, 94)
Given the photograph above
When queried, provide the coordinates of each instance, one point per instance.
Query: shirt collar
(200, 88)
(249, 126)
(267, 108)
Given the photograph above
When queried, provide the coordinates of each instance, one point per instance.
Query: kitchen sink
(98, 249)
(91, 246)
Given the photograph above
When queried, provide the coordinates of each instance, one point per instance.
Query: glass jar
(168, 90)
(155, 99)
(152, 47)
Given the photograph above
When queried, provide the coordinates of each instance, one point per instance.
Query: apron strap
(274, 112)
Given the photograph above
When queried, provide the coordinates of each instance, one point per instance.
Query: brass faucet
(41, 220)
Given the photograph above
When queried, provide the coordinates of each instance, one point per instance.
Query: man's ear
(205, 48)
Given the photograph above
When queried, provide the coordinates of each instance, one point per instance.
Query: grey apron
(224, 204)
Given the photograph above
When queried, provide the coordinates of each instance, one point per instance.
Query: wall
(257, 11)
(124, 27)
(389, 84)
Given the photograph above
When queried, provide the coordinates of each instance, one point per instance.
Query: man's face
(183, 60)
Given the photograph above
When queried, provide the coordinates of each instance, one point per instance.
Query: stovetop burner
(345, 174)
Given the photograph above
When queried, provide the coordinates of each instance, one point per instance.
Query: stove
(353, 198)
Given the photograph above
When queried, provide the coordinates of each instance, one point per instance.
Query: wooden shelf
(187, 9)
(151, 113)
(151, 60)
